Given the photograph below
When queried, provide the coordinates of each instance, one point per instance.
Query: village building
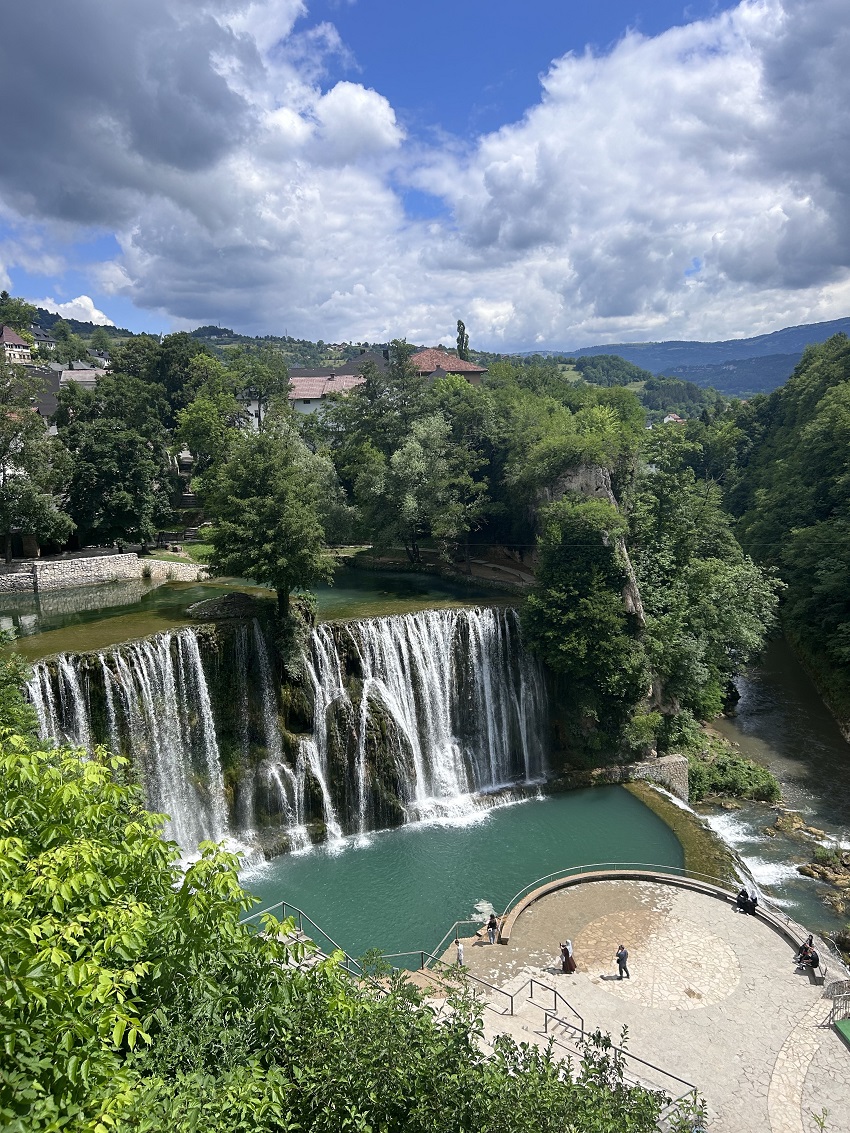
(42, 339)
(437, 362)
(14, 348)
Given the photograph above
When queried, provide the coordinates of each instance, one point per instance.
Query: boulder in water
(229, 606)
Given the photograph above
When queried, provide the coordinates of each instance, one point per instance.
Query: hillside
(743, 377)
(664, 357)
(735, 367)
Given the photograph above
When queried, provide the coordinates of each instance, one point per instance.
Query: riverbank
(704, 852)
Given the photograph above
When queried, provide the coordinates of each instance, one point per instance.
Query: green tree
(121, 481)
(16, 313)
(265, 501)
(211, 422)
(708, 605)
(100, 339)
(424, 489)
(261, 375)
(576, 619)
(136, 357)
(69, 346)
(170, 366)
(34, 467)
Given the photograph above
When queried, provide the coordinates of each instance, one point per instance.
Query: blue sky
(469, 66)
(557, 174)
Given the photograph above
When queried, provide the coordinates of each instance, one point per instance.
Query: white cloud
(81, 308)
(694, 184)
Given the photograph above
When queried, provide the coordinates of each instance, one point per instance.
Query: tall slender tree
(462, 342)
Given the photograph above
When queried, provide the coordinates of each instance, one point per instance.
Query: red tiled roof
(8, 337)
(427, 361)
(318, 386)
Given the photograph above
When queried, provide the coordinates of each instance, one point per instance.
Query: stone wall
(64, 574)
(161, 570)
(61, 573)
(668, 771)
(16, 579)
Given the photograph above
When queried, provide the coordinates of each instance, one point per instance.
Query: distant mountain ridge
(738, 367)
(661, 356)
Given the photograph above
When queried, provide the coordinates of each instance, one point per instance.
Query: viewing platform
(714, 997)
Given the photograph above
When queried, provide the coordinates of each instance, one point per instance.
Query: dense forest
(787, 481)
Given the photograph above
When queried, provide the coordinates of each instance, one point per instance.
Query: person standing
(459, 947)
(622, 961)
(492, 929)
(568, 964)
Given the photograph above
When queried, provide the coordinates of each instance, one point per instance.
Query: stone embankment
(61, 574)
(669, 771)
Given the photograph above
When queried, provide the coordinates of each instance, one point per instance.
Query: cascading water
(413, 716)
(158, 710)
(459, 708)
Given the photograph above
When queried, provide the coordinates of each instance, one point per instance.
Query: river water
(400, 890)
(95, 617)
(782, 723)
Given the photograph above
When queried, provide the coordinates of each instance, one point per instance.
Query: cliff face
(594, 482)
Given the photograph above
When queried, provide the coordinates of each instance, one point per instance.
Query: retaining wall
(670, 771)
(64, 574)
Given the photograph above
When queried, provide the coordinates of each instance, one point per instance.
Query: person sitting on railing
(805, 950)
(752, 903)
(743, 901)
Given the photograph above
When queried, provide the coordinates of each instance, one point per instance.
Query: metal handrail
(450, 970)
(596, 867)
(556, 996)
(451, 934)
(352, 965)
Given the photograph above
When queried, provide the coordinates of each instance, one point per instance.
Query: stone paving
(713, 997)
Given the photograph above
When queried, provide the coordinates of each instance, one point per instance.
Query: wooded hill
(788, 482)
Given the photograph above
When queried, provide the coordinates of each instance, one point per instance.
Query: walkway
(714, 998)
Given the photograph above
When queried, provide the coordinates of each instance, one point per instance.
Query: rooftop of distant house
(310, 386)
(428, 361)
(9, 337)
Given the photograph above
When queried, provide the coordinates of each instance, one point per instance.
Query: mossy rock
(229, 606)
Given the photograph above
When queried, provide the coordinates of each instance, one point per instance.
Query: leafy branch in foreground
(132, 998)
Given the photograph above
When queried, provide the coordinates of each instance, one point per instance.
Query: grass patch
(704, 851)
(192, 552)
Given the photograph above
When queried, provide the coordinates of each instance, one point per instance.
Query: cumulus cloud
(694, 184)
(81, 308)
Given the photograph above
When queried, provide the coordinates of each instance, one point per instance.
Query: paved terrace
(713, 998)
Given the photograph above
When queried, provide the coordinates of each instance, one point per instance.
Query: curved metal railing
(602, 867)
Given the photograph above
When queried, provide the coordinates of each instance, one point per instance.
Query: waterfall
(396, 719)
(158, 710)
(464, 707)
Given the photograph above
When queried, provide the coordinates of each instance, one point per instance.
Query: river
(782, 723)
